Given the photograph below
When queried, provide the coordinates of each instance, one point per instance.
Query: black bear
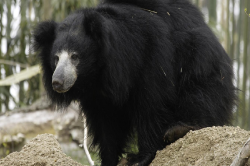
(150, 67)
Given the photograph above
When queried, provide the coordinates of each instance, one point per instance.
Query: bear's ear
(95, 24)
(44, 34)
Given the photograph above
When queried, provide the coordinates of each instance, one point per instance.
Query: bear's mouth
(61, 90)
(61, 87)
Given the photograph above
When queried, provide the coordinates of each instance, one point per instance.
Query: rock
(43, 150)
(27, 122)
(69, 125)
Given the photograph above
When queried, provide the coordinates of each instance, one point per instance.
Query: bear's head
(87, 51)
(69, 50)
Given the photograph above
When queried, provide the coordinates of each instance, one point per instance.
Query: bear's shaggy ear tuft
(44, 34)
(94, 24)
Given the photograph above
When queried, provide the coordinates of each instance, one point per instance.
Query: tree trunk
(245, 68)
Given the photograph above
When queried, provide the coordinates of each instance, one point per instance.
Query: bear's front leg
(109, 149)
(140, 159)
(112, 140)
(149, 141)
(108, 159)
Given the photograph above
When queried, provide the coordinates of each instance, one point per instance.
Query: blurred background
(21, 89)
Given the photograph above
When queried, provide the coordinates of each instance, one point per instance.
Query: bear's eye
(56, 60)
(74, 56)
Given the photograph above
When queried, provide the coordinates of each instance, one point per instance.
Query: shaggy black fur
(159, 74)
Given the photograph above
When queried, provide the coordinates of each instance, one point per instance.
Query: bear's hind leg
(177, 131)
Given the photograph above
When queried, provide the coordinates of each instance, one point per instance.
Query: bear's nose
(57, 84)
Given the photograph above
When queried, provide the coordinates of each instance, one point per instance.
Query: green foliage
(6, 148)
(246, 12)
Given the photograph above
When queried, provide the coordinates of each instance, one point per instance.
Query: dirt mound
(213, 146)
(43, 150)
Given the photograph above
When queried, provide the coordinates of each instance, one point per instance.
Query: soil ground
(43, 150)
(213, 146)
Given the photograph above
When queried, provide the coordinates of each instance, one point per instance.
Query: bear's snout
(57, 85)
(65, 74)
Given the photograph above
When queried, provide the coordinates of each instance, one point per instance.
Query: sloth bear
(150, 68)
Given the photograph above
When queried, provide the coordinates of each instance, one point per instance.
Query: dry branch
(242, 157)
(23, 75)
